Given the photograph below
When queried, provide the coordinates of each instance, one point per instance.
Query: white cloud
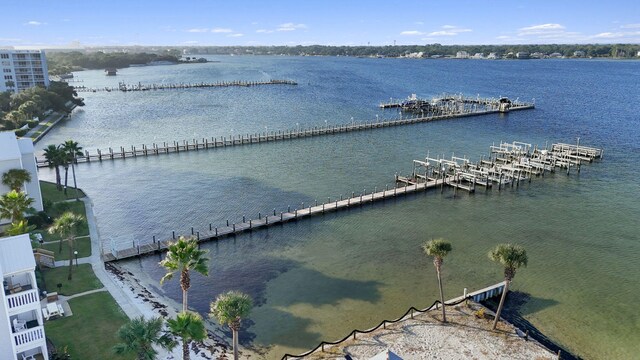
(34, 23)
(290, 27)
(198, 30)
(264, 31)
(631, 26)
(540, 29)
(235, 35)
(616, 35)
(449, 30)
(10, 39)
(221, 30)
(412, 33)
(419, 23)
(190, 42)
(442, 33)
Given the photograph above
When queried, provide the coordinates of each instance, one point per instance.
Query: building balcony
(23, 299)
(29, 338)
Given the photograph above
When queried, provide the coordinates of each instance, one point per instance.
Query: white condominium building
(21, 321)
(22, 69)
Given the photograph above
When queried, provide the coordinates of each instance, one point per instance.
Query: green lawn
(82, 246)
(90, 332)
(83, 279)
(52, 194)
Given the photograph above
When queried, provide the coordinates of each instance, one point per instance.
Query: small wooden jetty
(507, 164)
(445, 113)
(219, 84)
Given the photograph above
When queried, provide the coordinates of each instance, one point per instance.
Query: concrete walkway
(47, 124)
(98, 266)
(67, 298)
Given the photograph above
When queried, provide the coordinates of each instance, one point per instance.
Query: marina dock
(146, 87)
(465, 108)
(508, 164)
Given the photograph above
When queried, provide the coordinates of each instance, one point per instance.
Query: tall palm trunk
(234, 330)
(502, 298)
(444, 315)
(185, 284)
(185, 349)
(58, 179)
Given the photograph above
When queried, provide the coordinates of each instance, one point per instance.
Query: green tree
(19, 228)
(188, 326)
(138, 337)
(438, 248)
(511, 257)
(15, 178)
(67, 226)
(71, 151)
(55, 157)
(29, 109)
(14, 204)
(230, 309)
(182, 257)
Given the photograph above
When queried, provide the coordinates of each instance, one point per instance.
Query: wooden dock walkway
(215, 233)
(219, 84)
(258, 138)
(508, 164)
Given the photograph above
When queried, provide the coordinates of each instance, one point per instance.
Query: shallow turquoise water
(318, 279)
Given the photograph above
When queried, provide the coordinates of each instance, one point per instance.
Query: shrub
(32, 123)
(41, 220)
(21, 132)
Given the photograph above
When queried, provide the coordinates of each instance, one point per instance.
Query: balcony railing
(23, 298)
(28, 336)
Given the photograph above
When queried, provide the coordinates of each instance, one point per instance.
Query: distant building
(111, 71)
(537, 55)
(22, 69)
(492, 56)
(478, 56)
(579, 53)
(18, 154)
(522, 55)
(462, 55)
(21, 321)
(555, 55)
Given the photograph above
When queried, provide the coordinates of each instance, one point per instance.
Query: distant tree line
(65, 62)
(17, 109)
(590, 50)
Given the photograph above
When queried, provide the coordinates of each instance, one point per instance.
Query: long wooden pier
(508, 164)
(219, 84)
(163, 148)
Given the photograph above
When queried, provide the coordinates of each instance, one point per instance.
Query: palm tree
(188, 326)
(438, 248)
(511, 257)
(67, 225)
(183, 256)
(71, 151)
(14, 204)
(230, 309)
(19, 228)
(55, 158)
(15, 178)
(138, 337)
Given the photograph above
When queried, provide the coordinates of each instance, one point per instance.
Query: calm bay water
(320, 278)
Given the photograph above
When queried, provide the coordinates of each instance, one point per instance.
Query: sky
(73, 23)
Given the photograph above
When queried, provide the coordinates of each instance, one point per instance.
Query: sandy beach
(151, 304)
(465, 336)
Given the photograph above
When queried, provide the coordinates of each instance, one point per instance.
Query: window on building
(4, 56)
(8, 77)
(6, 70)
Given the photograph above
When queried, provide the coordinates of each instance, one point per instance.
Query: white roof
(16, 254)
(386, 355)
(25, 145)
(9, 149)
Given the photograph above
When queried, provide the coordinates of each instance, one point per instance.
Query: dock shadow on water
(519, 304)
